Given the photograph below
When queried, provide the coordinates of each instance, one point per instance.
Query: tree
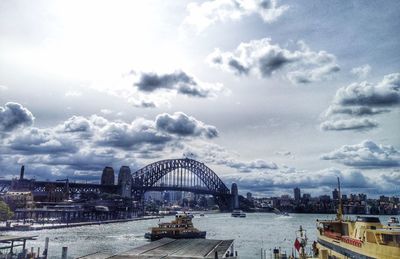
(5, 211)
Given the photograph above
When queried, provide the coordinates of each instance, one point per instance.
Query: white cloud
(383, 94)
(362, 99)
(367, 154)
(202, 15)
(301, 66)
(215, 154)
(106, 111)
(349, 124)
(73, 94)
(361, 71)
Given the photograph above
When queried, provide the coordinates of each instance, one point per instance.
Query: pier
(176, 249)
(9, 243)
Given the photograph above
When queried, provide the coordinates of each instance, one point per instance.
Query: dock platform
(8, 243)
(176, 249)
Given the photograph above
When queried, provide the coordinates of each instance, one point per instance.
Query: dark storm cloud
(151, 81)
(367, 154)
(179, 81)
(14, 115)
(272, 62)
(182, 125)
(87, 159)
(349, 124)
(237, 67)
(264, 58)
(192, 90)
(41, 141)
(384, 94)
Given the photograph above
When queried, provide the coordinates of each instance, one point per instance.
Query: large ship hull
(342, 250)
(188, 235)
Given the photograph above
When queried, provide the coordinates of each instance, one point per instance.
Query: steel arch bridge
(167, 175)
(181, 175)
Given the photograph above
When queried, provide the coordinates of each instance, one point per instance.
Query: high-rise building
(249, 196)
(335, 194)
(297, 194)
(107, 177)
(235, 196)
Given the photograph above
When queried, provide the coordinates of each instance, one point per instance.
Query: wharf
(175, 249)
(75, 224)
(12, 242)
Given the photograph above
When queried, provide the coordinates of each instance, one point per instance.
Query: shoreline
(76, 224)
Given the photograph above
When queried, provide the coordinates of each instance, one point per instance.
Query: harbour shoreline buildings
(117, 202)
(327, 204)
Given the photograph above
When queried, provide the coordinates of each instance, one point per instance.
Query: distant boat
(238, 214)
(393, 221)
(281, 213)
(102, 208)
(187, 214)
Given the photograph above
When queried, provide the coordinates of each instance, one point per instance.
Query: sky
(269, 94)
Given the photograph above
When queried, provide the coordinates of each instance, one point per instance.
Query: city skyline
(271, 95)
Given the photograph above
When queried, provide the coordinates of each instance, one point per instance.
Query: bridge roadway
(76, 187)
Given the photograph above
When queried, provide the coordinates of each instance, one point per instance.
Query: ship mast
(339, 214)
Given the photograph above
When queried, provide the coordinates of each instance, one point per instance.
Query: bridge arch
(147, 177)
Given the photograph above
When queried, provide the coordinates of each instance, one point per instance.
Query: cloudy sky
(269, 94)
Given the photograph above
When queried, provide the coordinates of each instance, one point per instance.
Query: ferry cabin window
(389, 239)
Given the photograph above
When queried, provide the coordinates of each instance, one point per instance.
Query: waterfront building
(19, 200)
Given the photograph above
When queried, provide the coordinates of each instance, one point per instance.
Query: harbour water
(256, 231)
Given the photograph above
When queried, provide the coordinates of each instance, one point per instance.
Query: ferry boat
(364, 238)
(181, 227)
(238, 214)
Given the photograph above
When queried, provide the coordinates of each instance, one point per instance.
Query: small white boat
(238, 214)
(281, 213)
(393, 221)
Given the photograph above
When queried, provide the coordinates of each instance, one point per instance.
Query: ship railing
(333, 235)
(351, 241)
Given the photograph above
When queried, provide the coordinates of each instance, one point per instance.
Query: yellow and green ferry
(362, 238)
